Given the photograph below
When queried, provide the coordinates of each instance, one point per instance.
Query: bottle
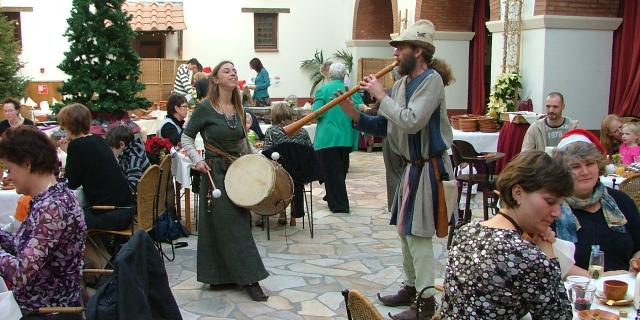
(251, 136)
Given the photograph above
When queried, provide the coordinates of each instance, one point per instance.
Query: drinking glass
(582, 296)
(596, 264)
(576, 280)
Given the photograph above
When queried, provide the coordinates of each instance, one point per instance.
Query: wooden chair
(484, 165)
(631, 186)
(146, 208)
(359, 307)
(165, 183)
(80, 311)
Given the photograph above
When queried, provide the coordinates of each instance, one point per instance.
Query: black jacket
(139, 288)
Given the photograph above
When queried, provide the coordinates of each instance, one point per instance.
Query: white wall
(217, 30)
(456, 54)
(43, 43)
(578, 65)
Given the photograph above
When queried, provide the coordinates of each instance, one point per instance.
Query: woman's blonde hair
(214, 92)
(199, 75)
(605, 133)
(281, 114)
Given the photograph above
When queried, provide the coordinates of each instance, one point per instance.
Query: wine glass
(581, 296)
(596, 264)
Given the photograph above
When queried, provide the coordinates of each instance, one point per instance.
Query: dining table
(598, 303)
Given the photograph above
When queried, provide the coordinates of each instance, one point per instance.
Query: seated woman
(11, 108)
(611, 133)
(91, 165)
(595, 214)
(282, 115)
(505, 267)
(172, 126)
(42, 262)
(130, 154)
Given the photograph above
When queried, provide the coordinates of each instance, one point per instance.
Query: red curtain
(477, 93)
(624, 98)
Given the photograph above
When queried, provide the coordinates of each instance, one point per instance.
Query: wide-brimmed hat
(419, 34)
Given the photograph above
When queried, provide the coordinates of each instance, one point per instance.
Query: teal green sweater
(262, 84)
(334, 126)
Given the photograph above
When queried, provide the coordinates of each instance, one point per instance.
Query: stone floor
(359, 250)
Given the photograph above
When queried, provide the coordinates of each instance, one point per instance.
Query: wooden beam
(266, 10)
(16, 9)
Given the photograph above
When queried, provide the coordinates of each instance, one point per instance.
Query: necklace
(513, 222)
(233, 119)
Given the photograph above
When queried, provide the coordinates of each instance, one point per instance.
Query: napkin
(564, 250)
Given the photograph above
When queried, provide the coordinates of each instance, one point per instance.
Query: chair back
(146, 197)
(631, 186)
(165, 175)
(465, 149)
(299, 160)
(359, 307)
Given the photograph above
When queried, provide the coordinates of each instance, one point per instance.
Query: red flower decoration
(156, 146)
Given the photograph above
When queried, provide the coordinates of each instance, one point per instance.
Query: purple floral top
(42, 262)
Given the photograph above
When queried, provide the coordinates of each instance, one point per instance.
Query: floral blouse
(495, 274)
(42, 262)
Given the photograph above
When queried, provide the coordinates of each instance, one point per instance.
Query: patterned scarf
(567, 225)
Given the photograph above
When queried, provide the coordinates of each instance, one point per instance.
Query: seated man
(548, 131)
(130, 154)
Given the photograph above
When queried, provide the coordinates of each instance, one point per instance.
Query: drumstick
(216, 193)
(108, 207)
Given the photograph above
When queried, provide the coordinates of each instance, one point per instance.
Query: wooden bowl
(615, 289)
(597, 314)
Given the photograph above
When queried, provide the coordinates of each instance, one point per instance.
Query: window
(265, 31)
(14, 18)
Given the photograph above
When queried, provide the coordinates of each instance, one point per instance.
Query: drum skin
(258, 184)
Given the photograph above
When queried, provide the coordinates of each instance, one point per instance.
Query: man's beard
(407, 65)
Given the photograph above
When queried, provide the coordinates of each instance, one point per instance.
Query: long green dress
(227, 253)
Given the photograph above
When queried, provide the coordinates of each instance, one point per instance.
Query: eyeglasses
(184, 105)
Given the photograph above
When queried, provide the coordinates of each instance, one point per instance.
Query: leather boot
(427, 310)
(404, 297)
(255, 292)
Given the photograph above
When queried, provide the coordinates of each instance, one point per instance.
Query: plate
(597, 314)
(8, 187)
(628, 300)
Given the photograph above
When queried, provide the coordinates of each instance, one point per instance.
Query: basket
(455, 122)
(468, 124)
(487, 124)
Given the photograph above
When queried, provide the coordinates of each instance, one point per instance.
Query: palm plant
(313, 66)
(346, 57)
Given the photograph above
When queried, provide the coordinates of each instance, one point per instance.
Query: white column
(568, 54)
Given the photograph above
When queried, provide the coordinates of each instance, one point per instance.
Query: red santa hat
(583, 135)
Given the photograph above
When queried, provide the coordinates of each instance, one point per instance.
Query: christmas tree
(102, 66)
(12, 84)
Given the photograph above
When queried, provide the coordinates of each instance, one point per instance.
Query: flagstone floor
(359, 251)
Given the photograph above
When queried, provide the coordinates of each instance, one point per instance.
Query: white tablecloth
(629, 279)
(608, 180)
(482, 142)
(152, 126)
(8, 202)
(181, 169)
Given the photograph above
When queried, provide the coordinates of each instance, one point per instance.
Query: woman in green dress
(227, 253)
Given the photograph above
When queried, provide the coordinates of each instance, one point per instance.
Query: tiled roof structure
(155, 16)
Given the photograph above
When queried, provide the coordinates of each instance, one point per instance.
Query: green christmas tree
(12, 84)
(102, 66)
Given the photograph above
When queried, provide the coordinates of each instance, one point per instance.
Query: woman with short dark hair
(130, 153)
(172, 126)
(11, 109)
(42, 261)
(505, 267)
(92, 166)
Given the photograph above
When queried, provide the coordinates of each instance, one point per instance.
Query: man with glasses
(548, 131)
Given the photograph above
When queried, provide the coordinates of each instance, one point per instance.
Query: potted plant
(504, 96)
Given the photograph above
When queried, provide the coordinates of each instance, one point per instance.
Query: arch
(375, 19)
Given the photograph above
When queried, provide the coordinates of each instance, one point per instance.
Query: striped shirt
(182, 85)
(134, 162)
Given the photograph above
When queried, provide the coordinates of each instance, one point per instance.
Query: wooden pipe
(292, 128)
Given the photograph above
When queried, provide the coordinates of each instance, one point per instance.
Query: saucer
(628, 300)
(594, 314)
